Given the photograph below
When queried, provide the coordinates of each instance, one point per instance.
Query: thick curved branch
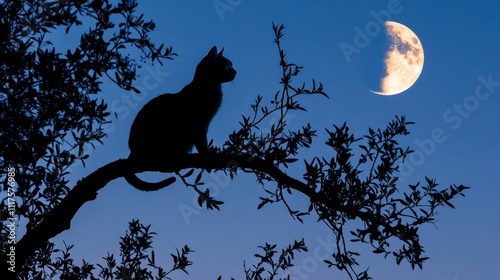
(59, 219)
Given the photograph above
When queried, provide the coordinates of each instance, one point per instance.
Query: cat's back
(161, 101)
(150, 118)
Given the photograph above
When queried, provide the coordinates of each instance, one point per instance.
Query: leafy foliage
(47, 113)
(133, 247)
(270, 264)
(344, 187)
(388, 211)
(135, 250)
(203, 196)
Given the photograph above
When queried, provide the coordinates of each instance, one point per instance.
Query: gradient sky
(452, 101)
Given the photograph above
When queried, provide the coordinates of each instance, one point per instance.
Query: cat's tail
(147, 186)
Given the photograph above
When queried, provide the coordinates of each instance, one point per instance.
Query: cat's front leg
(201, 143)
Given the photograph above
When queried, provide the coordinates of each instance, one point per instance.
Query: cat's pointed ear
(220, 53)
(212, 52)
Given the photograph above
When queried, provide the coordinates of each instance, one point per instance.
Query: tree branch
(59, 219)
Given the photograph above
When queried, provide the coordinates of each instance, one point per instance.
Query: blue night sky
(454, 103)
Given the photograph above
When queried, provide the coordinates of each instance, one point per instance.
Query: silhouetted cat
(171, 124)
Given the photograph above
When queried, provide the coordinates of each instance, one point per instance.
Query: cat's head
(215, 67)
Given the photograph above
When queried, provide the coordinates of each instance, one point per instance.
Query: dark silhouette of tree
(46, 104)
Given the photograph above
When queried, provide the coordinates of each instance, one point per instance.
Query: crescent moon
(404, 60)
